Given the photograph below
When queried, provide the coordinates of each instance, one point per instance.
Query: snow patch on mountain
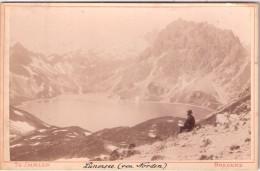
(42, 130)
(34, 144)
(22, 127)
(37, 137)
(15, 145)
(111, 147)
(18, 113)
(87, 133)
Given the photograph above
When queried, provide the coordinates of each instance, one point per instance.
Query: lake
(95, 112)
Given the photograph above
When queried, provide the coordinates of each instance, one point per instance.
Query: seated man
(189, 123)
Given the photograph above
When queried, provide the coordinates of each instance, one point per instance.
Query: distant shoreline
(112, 101)
(98, 103)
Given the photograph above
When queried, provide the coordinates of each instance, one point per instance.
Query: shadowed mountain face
(186, 62)
(143, 133)
(33, 140)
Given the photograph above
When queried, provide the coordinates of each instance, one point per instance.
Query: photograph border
(254, 68)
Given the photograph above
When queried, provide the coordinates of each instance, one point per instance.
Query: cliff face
(188, 62)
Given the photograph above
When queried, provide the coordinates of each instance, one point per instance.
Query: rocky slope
(35, 76)
(32, 139)
(226, 135)
(188, 62)
(144, 133)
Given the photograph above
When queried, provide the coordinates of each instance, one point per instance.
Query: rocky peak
(181, 34)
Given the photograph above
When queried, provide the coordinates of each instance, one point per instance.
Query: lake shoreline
(96, 112)
(112, 101)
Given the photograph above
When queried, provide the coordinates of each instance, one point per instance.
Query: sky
(62, 30)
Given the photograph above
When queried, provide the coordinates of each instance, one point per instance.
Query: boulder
(222, 119)
(157, 157)
(205, 157)
(233, 117)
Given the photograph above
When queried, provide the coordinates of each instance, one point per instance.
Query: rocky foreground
(225, 135)
(225, 141)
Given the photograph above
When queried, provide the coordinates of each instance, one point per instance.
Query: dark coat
(190, 122)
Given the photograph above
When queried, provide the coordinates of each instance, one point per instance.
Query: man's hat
(189, 111)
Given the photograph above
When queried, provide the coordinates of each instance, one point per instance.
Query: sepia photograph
(154, 84)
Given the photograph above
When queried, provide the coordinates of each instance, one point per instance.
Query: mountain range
(186, 62)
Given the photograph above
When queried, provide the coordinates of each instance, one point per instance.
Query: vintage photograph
(118, 82)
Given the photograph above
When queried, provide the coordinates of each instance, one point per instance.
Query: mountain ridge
(190, 63)
(30, 138)
(187, 62)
